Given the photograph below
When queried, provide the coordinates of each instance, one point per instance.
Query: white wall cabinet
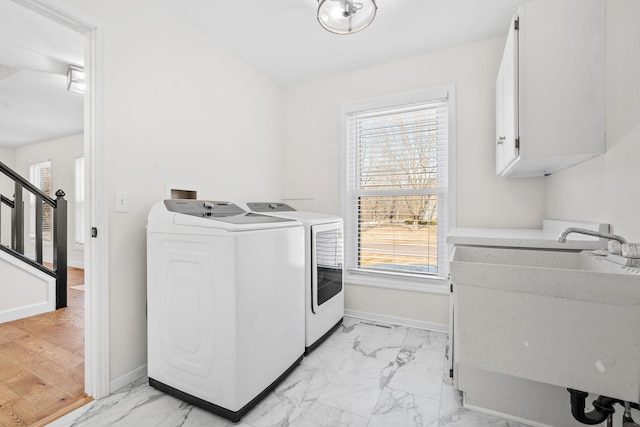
(550, 88)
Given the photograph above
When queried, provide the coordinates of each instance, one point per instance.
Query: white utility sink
(575, 275)
(565, 318)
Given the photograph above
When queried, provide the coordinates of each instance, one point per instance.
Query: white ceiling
(284, 40)
(281, 39)
(34, 55)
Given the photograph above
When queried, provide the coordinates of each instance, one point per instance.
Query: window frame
(392, 280)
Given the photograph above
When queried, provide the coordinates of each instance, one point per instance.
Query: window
(397, 187)
(79, 201)
(40, 176)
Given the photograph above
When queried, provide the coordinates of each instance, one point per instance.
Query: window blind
(79, 199)
(40, 176)
(396, 178)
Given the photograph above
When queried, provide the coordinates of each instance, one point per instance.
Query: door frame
(96, 251)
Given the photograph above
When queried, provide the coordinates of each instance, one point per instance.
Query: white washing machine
(224, 301)
(324, 269)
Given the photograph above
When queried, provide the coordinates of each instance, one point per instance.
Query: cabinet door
(553, 87)
(507, 138)
(500, 138)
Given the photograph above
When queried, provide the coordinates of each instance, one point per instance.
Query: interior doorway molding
(96, 184)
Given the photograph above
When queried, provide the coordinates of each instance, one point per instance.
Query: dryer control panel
(269, 207)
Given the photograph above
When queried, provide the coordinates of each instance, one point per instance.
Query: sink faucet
(563, 236)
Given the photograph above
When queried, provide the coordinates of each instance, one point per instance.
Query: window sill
(433, 285)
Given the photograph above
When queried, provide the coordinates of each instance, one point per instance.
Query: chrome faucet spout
(562, 238)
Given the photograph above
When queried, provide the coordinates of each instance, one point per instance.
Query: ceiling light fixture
(346, 16)
(75, 79)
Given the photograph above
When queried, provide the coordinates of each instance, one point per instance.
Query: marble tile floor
(361, 376)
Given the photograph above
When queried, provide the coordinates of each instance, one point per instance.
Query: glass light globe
(346, 16)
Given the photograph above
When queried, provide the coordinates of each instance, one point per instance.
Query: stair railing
(59, 223)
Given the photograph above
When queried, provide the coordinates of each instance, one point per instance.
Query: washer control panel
(220, 211)
(203, 208)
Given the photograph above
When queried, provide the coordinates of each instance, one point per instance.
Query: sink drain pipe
(602, 407)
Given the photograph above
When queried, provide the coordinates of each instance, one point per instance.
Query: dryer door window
(327, 263)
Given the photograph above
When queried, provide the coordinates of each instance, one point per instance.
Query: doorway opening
(96, 277)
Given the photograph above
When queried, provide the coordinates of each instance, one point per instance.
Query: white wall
(180, 110)
(606, 187)
(312, 158)
(8, 157)
(36, 290)
(62, 153)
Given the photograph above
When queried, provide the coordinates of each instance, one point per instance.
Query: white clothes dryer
(224, 302)
(324, 268)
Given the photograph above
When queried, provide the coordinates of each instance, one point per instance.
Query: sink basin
(570, 319)
(564, 274)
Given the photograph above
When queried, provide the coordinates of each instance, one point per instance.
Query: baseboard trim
(27, 311)
(394, 320)
(502, 415)
(128, 378)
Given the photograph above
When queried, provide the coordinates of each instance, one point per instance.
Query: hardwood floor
(42, 362)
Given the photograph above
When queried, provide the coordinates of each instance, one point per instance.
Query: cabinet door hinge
(94, 232)
(451, 286)
(516, 24)
(517, 143)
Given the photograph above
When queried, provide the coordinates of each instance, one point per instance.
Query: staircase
(15, 208)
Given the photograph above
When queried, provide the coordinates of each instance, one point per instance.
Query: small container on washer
(614, 247)
(630, 250)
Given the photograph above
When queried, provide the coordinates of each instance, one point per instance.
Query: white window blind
(79, 199)
(396, 180)
(40, 176)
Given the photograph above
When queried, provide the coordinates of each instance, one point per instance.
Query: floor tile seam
(376, 330)
(436, 353)
(326, 371)
(416, 394)
(388, 363)
(442, 392)
(299, 399)
(352, 413)
(427, 370)
(337, 368)
(379, 358)
(374, 333)
(308, 404)
(427, 346)
(427, 355)
(364, 378)
(325, 405)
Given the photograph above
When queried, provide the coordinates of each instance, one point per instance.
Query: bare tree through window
(398, 180)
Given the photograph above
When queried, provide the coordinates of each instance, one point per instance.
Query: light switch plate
(121, 203)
